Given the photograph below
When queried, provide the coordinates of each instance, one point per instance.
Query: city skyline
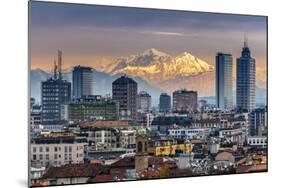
(200, 34)
(151, 115)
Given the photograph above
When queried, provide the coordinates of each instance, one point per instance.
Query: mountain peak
(187, 55)
(154, 52)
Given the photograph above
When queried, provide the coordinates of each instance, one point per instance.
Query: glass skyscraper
(245, 80)
(164, 102)
(224, 95)
(82, 80)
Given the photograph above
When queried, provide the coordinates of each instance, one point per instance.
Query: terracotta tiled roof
(128, 162)
(155, 161)
(102, 178)
(73, 170)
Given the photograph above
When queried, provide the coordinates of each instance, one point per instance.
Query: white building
(188, 133)
(128, 138)
(57, 151)
(234, 135)
(257, 141)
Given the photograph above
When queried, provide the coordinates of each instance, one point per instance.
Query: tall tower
(124, 91)
(143, 102)
(164, 102)
(224, 95)
(245, 80)
(184, 100)
(141, 157)
(82, 82)
(55, 92)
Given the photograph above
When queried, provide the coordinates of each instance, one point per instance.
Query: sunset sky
(96, 35)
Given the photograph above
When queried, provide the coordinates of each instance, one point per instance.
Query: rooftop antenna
(59, 63)
(55, 69)
(245, 41)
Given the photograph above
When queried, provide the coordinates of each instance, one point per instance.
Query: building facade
(188, 133)
(91, 109)
(224, 95)
(55, 93)
(164, 103)
(143, 102)
(257, 122)
(82, 82)
(245, 80)
(57, 151)
(184, 100)
(124, 91)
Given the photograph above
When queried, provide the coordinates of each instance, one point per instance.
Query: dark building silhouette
(184, 100)
(82, 82)
(224, 95)
(124, 91)
(55, 92)
(245, 80)
(164, 102)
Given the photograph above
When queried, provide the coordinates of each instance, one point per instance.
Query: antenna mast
(55, 69)
(59, 63)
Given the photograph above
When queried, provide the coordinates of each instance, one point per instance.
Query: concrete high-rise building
(124, 91)
(245, 80)
(184, 100)
(82, 82)
(143, 102)
(224, 95)
(55, 92)
(164, 102)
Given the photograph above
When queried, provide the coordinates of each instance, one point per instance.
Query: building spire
(245, 41)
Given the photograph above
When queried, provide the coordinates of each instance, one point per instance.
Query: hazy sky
(95, 35)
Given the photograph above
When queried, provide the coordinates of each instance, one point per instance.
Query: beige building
(57, 151)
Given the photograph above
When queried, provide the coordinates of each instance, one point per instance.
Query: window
(34, 149)
(56, 149)
(40, 157)
(47, 156)
(139, 146)
(41, 149)
(65, 148)
(47, 149)
(55, 156)
(34, 157)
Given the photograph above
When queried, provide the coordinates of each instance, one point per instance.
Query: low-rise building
(170, 150)
(57, 151)
(257, 141)
(233, 135)
(188, 133)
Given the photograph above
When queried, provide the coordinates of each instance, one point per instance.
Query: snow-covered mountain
(161, 69)
(147, 58)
